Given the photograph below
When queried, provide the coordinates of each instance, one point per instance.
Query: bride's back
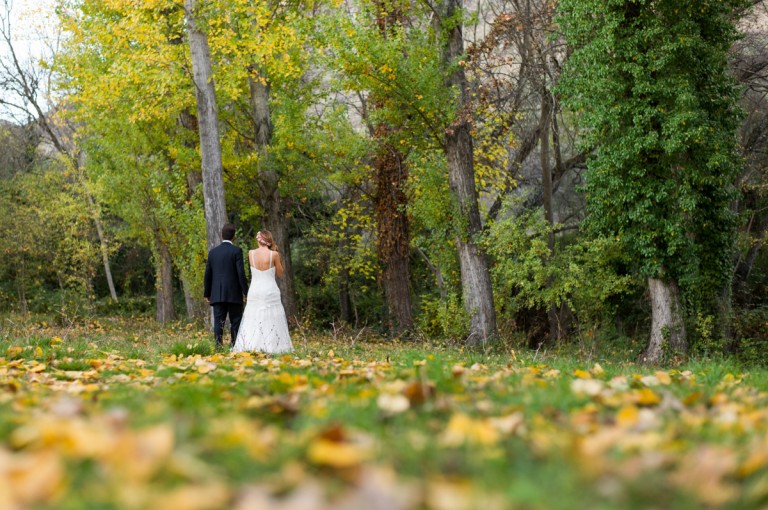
(261, 259)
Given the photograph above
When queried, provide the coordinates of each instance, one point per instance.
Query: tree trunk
(393, 237)
(164, 284)
(208, 118)
(79, 161)
(475, 278)
(667, 327)
(193, 306)
(273, 206)
(21, 288)
(393, 234)
(553, 315)
(104, 248)
(345, 300)
(276, 222)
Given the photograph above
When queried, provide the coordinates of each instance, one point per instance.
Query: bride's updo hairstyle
(264, 238)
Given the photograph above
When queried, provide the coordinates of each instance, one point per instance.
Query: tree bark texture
(667, 327)
(208, 118)
(476, 286)
(393, 234)
(272, 204)
(164, 271)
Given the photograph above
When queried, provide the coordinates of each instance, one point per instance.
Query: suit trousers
(220, 312)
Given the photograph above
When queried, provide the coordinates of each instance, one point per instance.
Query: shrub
(752, 335)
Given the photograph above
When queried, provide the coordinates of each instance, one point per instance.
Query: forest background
(518, 172)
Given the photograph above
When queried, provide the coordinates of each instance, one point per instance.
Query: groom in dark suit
(225, 284)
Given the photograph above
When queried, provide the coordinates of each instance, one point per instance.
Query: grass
(114, 414)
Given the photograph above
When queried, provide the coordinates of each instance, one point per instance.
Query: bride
(264, 327)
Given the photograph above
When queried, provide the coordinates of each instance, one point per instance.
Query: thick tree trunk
(193, 306)
(667, 327)
(477, 292)
(208, 118)
(393, 234)
(164, 284)
(273, 206)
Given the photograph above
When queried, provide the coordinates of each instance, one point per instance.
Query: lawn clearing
(100, 417)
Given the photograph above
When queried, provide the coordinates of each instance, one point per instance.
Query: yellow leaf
(194, 497)
(463, 429)
(757, 460)
(582, 374)
(35, 478)
(627, 416)
(204, 366)
(139, 455)
(37, 367)
(336, 454)
(663, 377)
(646, 397)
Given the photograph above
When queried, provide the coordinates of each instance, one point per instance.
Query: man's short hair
(228, 232)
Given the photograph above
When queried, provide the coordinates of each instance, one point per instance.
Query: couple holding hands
(262, 325)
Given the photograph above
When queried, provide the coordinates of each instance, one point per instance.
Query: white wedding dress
(264, 327)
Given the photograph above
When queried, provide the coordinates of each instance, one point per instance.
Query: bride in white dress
(264, 327)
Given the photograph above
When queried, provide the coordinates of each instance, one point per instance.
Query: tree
(390, 196)
(477, 291)
(649, 80)
(208, 118)
(260, 63)
(26, 98)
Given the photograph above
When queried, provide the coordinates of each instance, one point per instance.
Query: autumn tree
(27, 98)
(208, 124)
(477, 292)
(106, 80)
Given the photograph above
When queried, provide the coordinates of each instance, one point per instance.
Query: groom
(225, 284)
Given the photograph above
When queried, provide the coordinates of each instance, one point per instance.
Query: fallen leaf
(193, 497)
(335, 454)
(393, 404)
(462, 429)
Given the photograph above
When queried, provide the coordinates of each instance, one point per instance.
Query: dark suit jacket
(225, 275)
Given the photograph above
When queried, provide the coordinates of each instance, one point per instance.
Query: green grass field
(120, 414)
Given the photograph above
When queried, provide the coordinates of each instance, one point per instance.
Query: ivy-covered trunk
(208, 118)
(650, 82)
(667, 326)
(393, 236)
(477, 291)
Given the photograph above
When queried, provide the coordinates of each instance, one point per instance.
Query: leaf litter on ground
(374, 425)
